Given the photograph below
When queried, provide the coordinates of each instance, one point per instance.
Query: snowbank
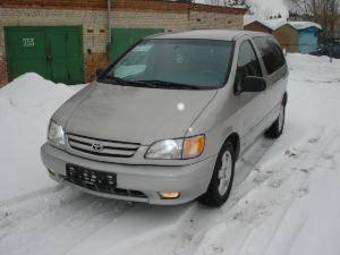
(26, 105)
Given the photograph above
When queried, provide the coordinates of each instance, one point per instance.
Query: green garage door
(56, 53)
(123, 39)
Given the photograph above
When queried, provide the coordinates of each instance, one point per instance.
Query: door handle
(49, 58)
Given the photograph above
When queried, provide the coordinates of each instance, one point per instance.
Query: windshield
(192, 64)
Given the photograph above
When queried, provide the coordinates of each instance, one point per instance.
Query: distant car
(167, 121)
(329, 50)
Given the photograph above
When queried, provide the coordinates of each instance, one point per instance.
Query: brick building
(66, 40)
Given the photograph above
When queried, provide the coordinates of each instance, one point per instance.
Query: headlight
(56, 133)
(186, 148)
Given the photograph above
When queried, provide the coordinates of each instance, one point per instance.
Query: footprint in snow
(217, 249)
(260, 178)
(276, 183)
(305, 171)
(252, 213)
(314, 140)
(328, 156)
(302, 191)
(291, 153)
(4, 214)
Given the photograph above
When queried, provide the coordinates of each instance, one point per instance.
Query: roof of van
(217, 34)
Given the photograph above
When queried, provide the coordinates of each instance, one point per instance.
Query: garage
(124, 38)
(67, 41)
(53, 52)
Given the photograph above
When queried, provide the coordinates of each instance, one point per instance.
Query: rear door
(276, 75)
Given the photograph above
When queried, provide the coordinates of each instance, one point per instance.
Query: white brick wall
(94, 23)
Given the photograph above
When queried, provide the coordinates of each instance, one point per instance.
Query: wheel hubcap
(224, 174)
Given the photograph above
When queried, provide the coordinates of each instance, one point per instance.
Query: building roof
(260, 23)
(301, 25)
(217, 34)
(275, 24)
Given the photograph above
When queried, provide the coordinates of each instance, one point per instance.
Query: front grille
(97, 181)
(102, 147)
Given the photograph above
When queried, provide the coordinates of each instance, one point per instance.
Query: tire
(276, 129)
(218, 192)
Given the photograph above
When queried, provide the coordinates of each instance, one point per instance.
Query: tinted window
(167, 63)
(248, 64)
(271, 54)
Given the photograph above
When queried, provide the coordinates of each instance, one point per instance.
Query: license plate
(91, 179)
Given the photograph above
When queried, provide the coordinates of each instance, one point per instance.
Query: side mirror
(99, 72)
(251, 84)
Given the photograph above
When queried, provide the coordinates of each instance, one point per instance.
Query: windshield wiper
(168, 84)
(121, 81)
(151, 83)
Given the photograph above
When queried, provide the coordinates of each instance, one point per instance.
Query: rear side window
(271, 54)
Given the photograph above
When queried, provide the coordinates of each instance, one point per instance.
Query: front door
(253, 104)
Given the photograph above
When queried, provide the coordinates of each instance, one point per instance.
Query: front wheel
(222, 179)
(276, 129)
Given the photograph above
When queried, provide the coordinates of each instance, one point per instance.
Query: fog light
(169, 195)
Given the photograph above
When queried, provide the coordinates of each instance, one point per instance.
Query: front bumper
(190, 180)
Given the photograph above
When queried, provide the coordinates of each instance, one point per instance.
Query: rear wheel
(276, 129)
(222, 179)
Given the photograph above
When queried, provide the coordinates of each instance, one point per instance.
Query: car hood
(132, 114)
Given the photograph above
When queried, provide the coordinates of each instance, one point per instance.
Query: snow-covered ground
(285, 201)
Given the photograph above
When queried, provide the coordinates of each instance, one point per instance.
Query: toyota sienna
(166, 122)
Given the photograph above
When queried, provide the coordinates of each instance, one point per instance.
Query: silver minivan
(166, 122)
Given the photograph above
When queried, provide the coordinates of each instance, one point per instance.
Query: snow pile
(26, 105)
(285, 201)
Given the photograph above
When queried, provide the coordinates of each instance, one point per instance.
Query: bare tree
(234, 2)
(228, 2)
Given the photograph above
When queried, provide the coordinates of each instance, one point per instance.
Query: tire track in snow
(298, 181)
(32, 195)
(291, 175)
(328, 141)
(46, 221)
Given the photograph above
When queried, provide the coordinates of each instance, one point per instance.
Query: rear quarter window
(271, 53)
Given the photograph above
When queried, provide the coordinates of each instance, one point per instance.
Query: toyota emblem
(97, 147)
